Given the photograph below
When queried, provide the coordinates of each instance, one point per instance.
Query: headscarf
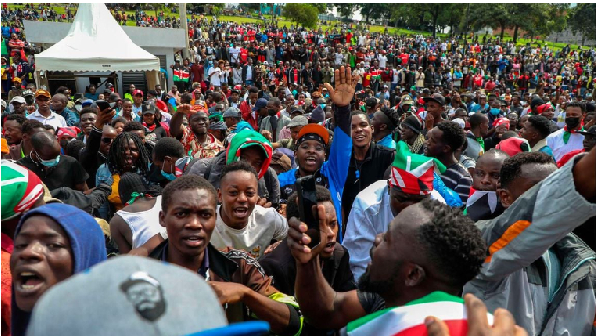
(245, 139)
(21, 188)
(87, 248)
(413, 173)
(501, 121)
(70, 131)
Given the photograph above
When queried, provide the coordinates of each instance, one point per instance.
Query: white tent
(95, 42)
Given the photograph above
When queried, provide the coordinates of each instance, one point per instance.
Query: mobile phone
(307, 198)
(102, 104)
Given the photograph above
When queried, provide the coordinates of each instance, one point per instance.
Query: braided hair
(115, 154)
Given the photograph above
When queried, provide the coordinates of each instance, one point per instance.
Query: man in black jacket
(97, 145)
(368, 164)
(248, 79)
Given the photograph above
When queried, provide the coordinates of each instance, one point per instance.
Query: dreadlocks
(116, 157)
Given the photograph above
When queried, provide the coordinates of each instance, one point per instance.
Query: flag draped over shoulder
(409, 320)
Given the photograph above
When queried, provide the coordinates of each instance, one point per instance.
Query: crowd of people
(454, 179)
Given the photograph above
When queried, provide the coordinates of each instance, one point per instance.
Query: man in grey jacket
(536, 268)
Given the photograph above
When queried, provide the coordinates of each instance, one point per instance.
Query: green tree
(374, 11)
(158, 7)
(321, 7)
(299, 13)
(345, 10)
(583, 20)
(217, 8)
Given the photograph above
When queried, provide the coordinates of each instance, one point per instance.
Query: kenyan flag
(21, 188)
(413, 173)
(181, 75)
(408, 320)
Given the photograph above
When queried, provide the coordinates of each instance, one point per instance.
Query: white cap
(18, 99)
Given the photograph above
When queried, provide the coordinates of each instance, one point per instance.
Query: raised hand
(345, 86)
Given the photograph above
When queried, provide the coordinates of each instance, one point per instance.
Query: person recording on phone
(280, 265)
(312, 141)
(98, 142)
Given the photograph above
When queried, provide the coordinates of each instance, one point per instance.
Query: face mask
(168, 176)
(572, 123)
(495, 111)
(322, 106)
(48, 163)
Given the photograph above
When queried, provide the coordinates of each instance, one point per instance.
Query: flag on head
(413, 173)
(21, 188)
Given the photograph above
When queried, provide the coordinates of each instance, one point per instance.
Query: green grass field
(281, 22)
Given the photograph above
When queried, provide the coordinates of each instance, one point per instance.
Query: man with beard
(566, 140)
(98, 143)
(88, 119)
(368, 163)
(428, 248)
(196, 140)
(312, 139)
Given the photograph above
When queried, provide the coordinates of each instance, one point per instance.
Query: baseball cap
(297, 109)
(298, 121)
(316, 129)
(44, 93)
(18, 99)
(87, 102)
(27, 93)
(261, 103)
(218, 126)
(436, 97)
(232, 112)
(135, 296)
(137, 92)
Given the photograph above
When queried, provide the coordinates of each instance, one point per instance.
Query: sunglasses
(107, 140)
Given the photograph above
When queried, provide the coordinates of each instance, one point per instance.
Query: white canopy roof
(96, 42)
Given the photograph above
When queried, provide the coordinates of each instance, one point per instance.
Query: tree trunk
(516, 34)
(501, 32)
(582, 39)
(435, 19)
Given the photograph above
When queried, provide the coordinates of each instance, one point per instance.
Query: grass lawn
(60, 9)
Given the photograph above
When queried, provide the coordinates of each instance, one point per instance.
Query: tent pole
(184, 25)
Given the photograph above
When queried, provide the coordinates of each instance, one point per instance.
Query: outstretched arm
(319, 303)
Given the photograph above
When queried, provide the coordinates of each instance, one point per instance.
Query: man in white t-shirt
(241, 223)
(567, 140)
(215, 74)
(234, 54)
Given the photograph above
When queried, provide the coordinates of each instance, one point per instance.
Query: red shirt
(243, 55)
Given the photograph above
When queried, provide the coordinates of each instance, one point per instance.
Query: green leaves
(302, 13)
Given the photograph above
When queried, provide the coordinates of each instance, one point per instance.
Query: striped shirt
(458, 179)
